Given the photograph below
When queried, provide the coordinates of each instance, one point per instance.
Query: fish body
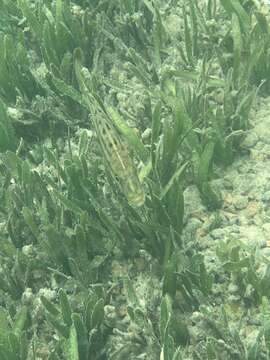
(119, 160)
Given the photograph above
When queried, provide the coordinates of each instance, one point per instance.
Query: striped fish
(117, 156)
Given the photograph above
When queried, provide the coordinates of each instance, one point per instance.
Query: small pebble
(233, 288)
(266, 196)
(266, 251)
(240, 202)
(27, 296)
(251, 140)
(217, 233)
(193, 224)
(233, 298)
(266, 229)
(228, 185)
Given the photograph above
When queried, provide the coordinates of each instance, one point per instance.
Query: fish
(113, 147)
(119, 159)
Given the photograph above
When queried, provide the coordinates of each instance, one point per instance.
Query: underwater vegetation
(109, 112)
